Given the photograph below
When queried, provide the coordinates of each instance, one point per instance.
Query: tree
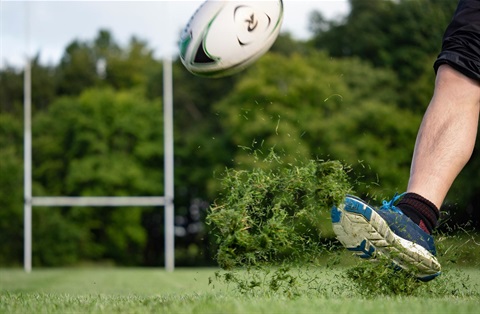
(399, 35)
(100, 143)
(130, 67)
(11, 91)
(102, 62)
(314, 107)
(11, 191)
(77, 70)
(12, 87)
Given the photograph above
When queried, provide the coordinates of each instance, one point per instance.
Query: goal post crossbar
(98, 201)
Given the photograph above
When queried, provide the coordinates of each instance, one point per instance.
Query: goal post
(102, 201)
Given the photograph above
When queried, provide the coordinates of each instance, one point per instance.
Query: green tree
(131, 67)
(77, 69)
(11, 190)
(12, 87)
(398, 35)
(101, 143)
(102, 62)
(314, 106)
(286, 44)
(200, 144)
(11, 91)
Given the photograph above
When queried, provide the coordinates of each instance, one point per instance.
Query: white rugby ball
(225, 37)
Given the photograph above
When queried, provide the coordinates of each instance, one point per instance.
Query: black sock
(420, 210)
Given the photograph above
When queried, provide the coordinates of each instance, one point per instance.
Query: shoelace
(389, 205)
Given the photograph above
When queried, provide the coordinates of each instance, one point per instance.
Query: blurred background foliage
(354, 92)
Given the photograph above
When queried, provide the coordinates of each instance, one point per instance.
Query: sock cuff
(417, 198)
(422, 206)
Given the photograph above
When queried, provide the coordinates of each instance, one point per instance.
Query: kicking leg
(447, 135)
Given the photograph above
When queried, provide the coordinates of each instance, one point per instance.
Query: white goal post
(166, 201)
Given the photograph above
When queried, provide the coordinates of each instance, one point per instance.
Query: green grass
(266, 216)
(134, 290)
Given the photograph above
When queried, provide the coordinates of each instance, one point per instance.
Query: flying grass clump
(275, 212)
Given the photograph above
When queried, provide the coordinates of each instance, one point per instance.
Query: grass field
(140, 290)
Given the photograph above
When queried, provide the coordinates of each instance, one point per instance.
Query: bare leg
(447, 135)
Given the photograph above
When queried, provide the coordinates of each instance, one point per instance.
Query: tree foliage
(399, 35)
(315, 106)
(11, 191)
(101, 143)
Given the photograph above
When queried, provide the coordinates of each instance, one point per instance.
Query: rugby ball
(225, 37)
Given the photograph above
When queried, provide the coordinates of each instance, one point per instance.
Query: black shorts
(461, 41)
